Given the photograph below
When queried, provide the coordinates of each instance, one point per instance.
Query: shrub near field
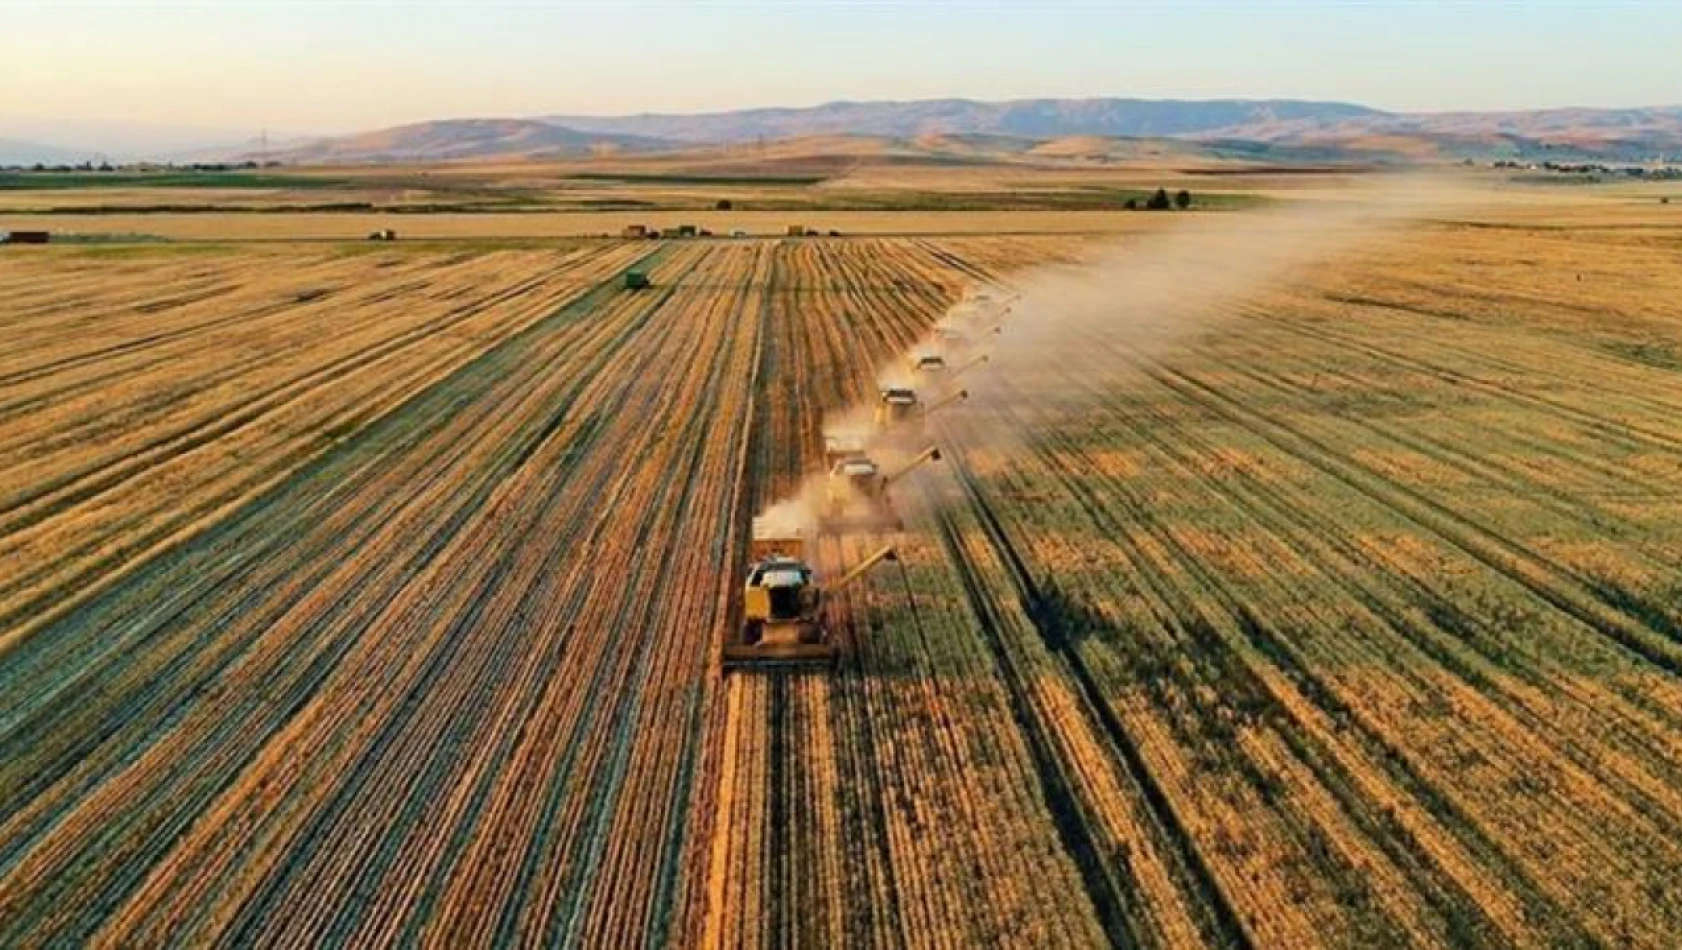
(384, 607)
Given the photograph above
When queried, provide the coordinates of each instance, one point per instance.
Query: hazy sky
(314, 65)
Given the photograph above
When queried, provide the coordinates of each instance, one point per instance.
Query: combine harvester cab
(782, 606)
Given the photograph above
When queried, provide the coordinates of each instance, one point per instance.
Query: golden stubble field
(374, 594)
(215, 226)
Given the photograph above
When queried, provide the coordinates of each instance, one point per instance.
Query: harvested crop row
(206, 420)
(311, 636)
(852, 805)
(1224, 448)
(1257, 681)
(1338, 620)
(425, 665)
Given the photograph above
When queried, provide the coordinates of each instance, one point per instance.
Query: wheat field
(374, 594)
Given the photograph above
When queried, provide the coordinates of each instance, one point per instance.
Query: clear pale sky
(313, 65)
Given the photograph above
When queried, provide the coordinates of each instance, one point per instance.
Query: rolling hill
(1042, 130)
(459, 139)
(1599, 134)
(1025, 118)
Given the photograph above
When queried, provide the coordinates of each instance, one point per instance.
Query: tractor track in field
(1221, 920)
(347, 455)
(1478, 466)
(1566, 591)
(1295, 522)
(1184, 389)
(140, 345)
(1536, 372)
(117, 376)
(78, 486)
(1106, 893)
(1610, 428)
(260, 301)
(1294, 513)
(1108, 513)
(117, 473)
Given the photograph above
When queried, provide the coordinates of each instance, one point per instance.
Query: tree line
(1161, 201)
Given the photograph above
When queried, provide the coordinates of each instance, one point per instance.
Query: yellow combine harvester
(928, 365)
(899, 408)
(973, 319)
(899, 405)
(856, 496)
(783, 605)
(935, 370)
(951, 336)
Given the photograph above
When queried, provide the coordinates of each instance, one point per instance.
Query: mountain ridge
(1265, 129)
(1276, 129)
(1029, 118)
(456, 139)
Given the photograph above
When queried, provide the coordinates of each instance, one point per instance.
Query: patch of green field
(1095, 198)
(1662, 354)
(138, 246)
(67, 181)
(1551, 178)
(746, 181)
(326, 208)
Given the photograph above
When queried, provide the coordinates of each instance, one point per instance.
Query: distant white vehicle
(738, 233)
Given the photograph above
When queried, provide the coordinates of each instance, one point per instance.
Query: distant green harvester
(636, 280)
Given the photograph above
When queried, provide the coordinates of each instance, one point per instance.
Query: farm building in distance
(25, 237)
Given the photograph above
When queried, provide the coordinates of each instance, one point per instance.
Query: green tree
(1182, 199)
(1159, 201)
